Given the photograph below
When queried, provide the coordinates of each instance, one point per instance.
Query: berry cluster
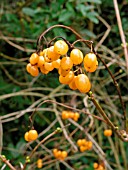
(68, 65)
(39, 163)
(108, 132)
(61, 155)
(84, 144)
(31, 135)
(97, 166)
(69, 114)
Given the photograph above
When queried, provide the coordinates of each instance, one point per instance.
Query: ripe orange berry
(32, 135)
(63, 72)
(51, 54)
(61, 47)
(34, 71)
(95, 165)
(72, 84)
(39, 163)
(108, 132)
(28, 67)
(43, 70)
(71, 114)
(48, 66)
(44, 53)
(55, 151)
(26, 137)
(65, 115)
(56, 63)
(100, 167)
(83, 148)
(66, 63)
(76, 116)
(58, 154)
(66, 79)
(41, 61)
(84, 142)
(89, 144)
(90, 60)
(76, 56)
(63, 155)
(82, 83)
(91, 69)
(79, 142)
(34, 58)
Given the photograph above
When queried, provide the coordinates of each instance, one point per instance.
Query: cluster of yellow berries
(84, 144)
(31, 135)
(39, 163)
(68, 66)
(108, 132)
(69, 114)
(61, 155)
(97, 166)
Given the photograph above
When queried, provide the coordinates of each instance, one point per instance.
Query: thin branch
(7, 162)
(55, 26)
(101, 111)
(41, 142)
(105, 34)
(115, 83)
(121, 32)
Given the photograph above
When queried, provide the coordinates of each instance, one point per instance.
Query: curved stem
(70, 45)
(116, 85)
(87, 42)
(55, 26)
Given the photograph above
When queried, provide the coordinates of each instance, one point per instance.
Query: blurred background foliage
(21, 23)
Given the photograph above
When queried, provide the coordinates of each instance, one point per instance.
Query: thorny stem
(101, 111)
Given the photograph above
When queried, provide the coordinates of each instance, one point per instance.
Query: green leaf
(65, 15)
(93, 17)
(84, 9)
(92, 1)
(28, 11)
